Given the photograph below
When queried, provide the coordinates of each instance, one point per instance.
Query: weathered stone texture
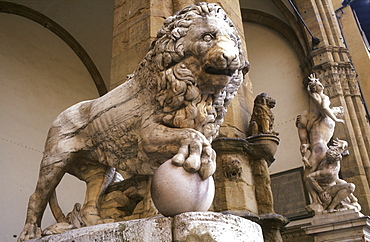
(214, 227)
(234, 192)
(170, 108)
(196, 226)
(135, 25)
(151, 229)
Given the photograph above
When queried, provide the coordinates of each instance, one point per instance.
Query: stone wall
(40, 77)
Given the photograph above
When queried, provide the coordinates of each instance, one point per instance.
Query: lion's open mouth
(215, 71)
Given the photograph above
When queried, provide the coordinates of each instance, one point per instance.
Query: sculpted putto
(171, 107)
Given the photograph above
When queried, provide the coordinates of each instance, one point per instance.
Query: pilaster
(135, 26)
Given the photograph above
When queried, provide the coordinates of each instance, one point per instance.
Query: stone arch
(297, 41)
(277, 57)
(13, 8)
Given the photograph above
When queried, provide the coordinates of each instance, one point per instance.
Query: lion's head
(199, 62)
(264, 99)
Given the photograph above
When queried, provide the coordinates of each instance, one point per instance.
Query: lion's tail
(55, 209)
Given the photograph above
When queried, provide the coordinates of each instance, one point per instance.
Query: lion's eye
(207, 37)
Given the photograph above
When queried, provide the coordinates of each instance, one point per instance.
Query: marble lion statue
(171, 107)
(262, 119)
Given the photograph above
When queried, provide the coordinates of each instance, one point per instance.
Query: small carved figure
(315, 129)
(170, 108)
(262, 120)
(73, 220)
(334, 193)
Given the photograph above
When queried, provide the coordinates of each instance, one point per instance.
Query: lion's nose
(229, 57)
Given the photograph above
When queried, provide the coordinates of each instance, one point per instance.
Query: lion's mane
(174, 84)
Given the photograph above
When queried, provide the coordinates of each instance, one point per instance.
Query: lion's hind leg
(97, 178)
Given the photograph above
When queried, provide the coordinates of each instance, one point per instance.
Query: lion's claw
(179, 158)
(196, 155)
(208, 166)
(192, 163)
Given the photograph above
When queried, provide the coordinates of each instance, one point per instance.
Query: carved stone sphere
(176, 191)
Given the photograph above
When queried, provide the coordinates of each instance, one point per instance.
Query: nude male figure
(315, 129)
(334, 193)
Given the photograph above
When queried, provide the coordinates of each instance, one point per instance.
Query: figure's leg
(51, 172)
(339, 193)
(310, 189)
(301, 124)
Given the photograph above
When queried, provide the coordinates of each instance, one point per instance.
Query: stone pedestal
(192, 226)
(242, 181)
(347, 225)
(235, 188)
(214, 227)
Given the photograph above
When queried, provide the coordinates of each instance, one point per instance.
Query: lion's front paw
(196, 154)
(30, 231)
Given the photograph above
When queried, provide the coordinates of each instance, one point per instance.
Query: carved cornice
(329, 53)
(339, 79)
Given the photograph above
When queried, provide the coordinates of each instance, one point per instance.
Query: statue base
(191, 226)
(346, 225)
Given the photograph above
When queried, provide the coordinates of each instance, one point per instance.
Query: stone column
(331, 62)
(135, 26)
(234, 181)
